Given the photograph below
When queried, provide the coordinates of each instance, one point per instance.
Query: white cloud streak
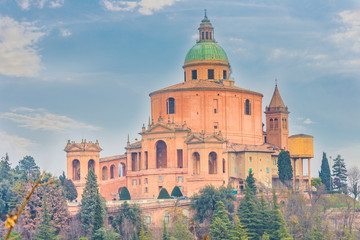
(28, 4)
(65, 33)
(145, 7)
(16, 146)
(41, 119)
(18, 52)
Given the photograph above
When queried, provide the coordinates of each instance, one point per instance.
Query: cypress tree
(324, 173)
(46, 230)
(277, 225)
(218, 229)
(250, 182)
(239, 233)
(176, 192)
(125, 195)
(88, 202)
(5, 169)
(98, 221)
(164, 194)
(340, 174)
(134, 235)
(285, 168)
(221, 226)
(249, 214)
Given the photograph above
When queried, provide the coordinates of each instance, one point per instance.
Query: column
(294, 174)
(301, 172)
(309, 175)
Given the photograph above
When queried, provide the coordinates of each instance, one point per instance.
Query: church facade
(204, 130)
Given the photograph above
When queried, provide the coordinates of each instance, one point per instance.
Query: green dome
(206, 50)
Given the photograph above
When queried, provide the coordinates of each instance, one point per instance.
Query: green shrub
(176, 192)
(125, 195)
(164, 194)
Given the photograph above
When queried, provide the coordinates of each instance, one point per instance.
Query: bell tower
(277, 121)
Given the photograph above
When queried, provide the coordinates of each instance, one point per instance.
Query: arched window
(170, 106)
(91, 165)
(212, 163)
(271, 123)
(161, 154)
(104, 173)
(112, 171)
(223, 165)
(276, 123)
(121, 170)
(196, 163)
(76, 170)
(285, 123)
(247, 107)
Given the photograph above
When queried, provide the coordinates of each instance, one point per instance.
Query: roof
(276, 103)
(206, 50)
(111, 158)
(134, 145)
(301, 135)
(83, 146)
(276, 100)
(203, 85)
(266, 147)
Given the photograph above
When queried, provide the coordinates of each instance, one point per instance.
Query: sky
(73, 70)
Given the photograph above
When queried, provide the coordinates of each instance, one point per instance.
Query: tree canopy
(325, 173)
(284, 167)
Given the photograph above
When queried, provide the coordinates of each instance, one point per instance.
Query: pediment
(159, 127)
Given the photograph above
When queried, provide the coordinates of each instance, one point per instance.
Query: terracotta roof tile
(266, 147)
(203, 84)
(111, 158)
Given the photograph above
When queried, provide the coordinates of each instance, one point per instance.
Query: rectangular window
(134, 182)
(235, 170)
(146, 160)
(147, 220)
(224, 74)
(202, 36)
(267, 170)
(210, 73)
(180, 179)
(194, 74)
(207, 35)
(160, 178)
(250, 159)
(133, 161)
(139, 181)
(180, 158)
(146, 189)
(215, 105)
(139, 167)
(145, 181)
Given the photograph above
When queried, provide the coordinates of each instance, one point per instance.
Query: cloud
(65, 33)
(145, 7)
(308, 121)
(119, 5)
(348, 34)
(41, 119)
(18, 52)
(16, 146)
(27, 4)
(56, 3)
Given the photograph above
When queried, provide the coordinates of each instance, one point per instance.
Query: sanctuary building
(204, 130)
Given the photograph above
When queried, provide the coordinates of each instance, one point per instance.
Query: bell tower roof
(276, 103)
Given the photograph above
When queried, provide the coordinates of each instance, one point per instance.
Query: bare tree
(354, 185)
